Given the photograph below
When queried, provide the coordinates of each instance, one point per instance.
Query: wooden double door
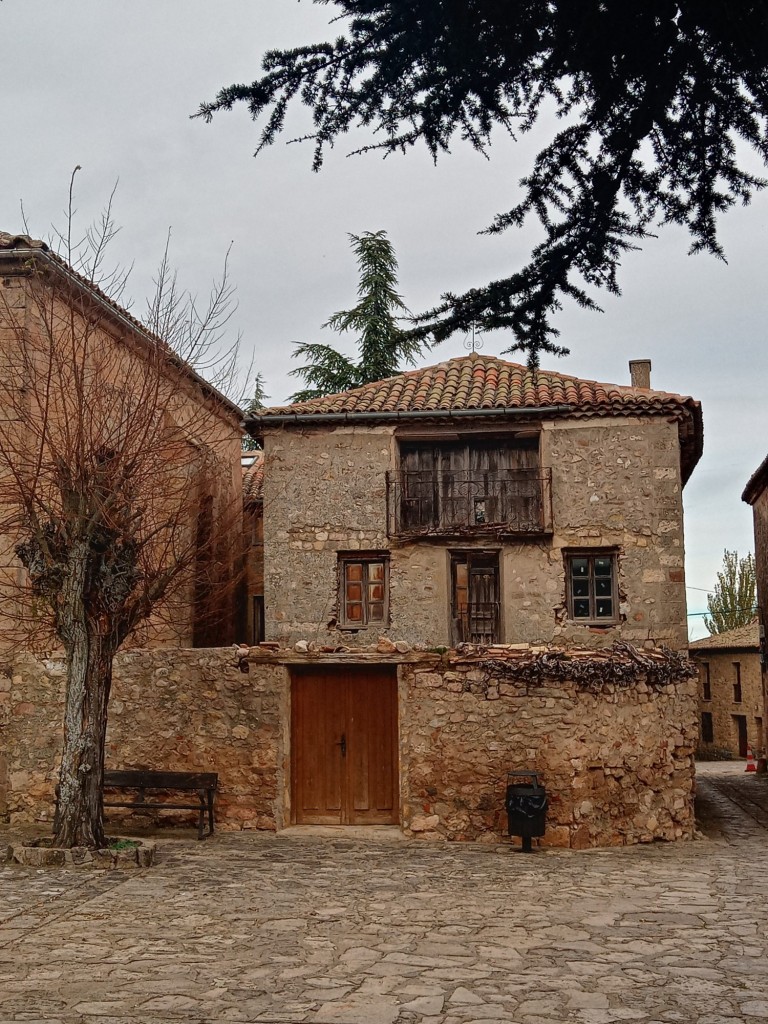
(344, 762)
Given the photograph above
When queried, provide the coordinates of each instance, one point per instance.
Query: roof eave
(756, 484)
(59, 267)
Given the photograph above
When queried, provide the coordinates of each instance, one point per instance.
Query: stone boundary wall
(181, 710)
(612, 736)
(616, 757)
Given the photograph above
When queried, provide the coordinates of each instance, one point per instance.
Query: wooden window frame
(706, 683)
(474, 494)
(365, 559)
(468, 556)
(738, 695)
(592, 554)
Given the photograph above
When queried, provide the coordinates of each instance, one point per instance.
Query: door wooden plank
(318, 705)
(373, 761)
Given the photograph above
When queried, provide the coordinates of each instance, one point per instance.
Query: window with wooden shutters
(706, 684)
(364, 591)
(474, 484)
(592, 588)
(475, 605)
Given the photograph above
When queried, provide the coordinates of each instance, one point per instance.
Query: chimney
(640, 372)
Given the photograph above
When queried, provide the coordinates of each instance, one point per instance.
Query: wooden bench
(204, 783)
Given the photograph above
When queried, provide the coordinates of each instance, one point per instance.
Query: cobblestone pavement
(347, 931)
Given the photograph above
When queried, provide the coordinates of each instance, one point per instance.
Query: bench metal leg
(210, 811)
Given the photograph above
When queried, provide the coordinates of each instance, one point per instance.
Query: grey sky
(110, 85)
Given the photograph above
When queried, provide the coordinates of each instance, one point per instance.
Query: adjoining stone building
(756, 495)
(730, 692)
(51, 317)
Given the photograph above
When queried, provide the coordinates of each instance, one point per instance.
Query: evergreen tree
(381, 341)
(734, 601)
(658, 104)
(255, 405)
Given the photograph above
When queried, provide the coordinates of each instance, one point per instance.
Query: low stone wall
(180, 710)
(611, 735)
(614, 748)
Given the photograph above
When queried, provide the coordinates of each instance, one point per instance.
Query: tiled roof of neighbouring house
(487, 384)
(742, 636)
(253, 480)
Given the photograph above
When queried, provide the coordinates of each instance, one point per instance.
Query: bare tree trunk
(80, 820)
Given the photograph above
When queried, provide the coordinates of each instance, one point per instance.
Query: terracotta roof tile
(253, 480)
(476, 382)
(487, 382)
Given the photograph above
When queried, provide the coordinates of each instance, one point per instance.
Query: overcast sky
(111, 86)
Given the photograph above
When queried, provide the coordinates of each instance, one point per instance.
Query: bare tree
(118, 486)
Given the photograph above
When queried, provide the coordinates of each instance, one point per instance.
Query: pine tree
(256, 404)
(734, 600)
(381, 341)
(658, 106)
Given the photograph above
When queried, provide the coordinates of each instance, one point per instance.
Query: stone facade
(616, 484)
(726, 673)
(756, 495)
(612, 736)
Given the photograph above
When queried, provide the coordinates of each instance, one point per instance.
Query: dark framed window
(363, 590)
(592, 587)
(475, 605)
(257, 621)
(706, 685)
(737, 683)
(707, 729)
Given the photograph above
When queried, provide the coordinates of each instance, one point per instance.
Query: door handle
(343, 744)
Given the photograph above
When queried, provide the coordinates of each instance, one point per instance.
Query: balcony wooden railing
(459, 502)
(477, 623)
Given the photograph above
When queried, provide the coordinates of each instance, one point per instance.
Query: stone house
(466, 534)
(730, 691)
(756, 495)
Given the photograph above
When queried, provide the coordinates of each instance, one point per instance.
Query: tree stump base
(40, 855)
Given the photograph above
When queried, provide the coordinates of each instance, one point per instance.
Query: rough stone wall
(615, 484)
(760, 515)
(722, 706)
(186, 710)
(617, 761)
(5, 721)
(615, 757)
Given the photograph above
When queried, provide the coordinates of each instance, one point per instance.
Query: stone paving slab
(254, 928)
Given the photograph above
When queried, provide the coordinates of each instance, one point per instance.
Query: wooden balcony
(459, 503)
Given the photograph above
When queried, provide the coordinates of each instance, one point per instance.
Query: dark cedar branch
(659, 102)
